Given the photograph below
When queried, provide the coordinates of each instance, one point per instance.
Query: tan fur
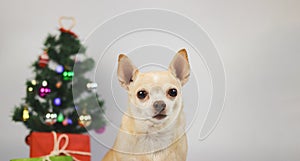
(146, 139)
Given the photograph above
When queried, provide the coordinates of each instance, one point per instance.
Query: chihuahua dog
(153, 127)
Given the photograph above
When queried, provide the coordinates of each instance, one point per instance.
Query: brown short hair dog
(153, 128)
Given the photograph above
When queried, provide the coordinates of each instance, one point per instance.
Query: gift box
(55, 158)
(54, 144)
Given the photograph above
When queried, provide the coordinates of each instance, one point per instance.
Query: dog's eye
(142, 94)
(172, 92)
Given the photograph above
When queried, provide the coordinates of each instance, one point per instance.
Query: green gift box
(55, 158)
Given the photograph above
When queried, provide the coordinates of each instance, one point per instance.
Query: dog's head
(155, 96)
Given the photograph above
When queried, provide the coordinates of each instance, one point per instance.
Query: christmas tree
(49, 103)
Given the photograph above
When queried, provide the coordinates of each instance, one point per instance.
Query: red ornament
(68, 31)
(43, 60)
(28, 139)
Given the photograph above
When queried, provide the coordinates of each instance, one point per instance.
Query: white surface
(258, 42)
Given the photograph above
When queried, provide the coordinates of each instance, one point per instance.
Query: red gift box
(47, 143)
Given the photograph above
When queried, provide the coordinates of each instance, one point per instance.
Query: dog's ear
(180, 67)
(126, 71)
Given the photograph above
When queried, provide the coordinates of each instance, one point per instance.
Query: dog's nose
(159, 106)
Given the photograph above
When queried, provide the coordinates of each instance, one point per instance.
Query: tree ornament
(60, 117)
(62, 29)
(30, 89)
(65, 122)
(68, 31)
(57, 101)
(44, 91)
(100, 130)
(85, 120)
(58, 84)
(50, 118)
(49, 90)
(44, 83)
(70, 122)
(27, 139)
(59, 69)
(25, 114)
(33, 82)
(43, 60)
(68, 75)
(91, 86)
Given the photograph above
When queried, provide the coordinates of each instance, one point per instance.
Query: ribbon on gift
(57, 151)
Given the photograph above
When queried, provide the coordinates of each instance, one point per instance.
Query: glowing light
(44, 91)
(91, 85)
(33, 82)
(59, 69)
(60, 117)
(68, 75)
(44, 83)
(57, 101)
(25, 114)
(30, 89)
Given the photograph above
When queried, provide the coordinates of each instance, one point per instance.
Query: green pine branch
(61, 50)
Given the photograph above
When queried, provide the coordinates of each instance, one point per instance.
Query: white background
(257, 40)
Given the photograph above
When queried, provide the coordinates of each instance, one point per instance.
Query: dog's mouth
(160, 116)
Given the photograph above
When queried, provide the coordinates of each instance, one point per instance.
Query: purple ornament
(44, 91)
(57, 101)
(100, 130)
(59, 69)
(70, 121)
